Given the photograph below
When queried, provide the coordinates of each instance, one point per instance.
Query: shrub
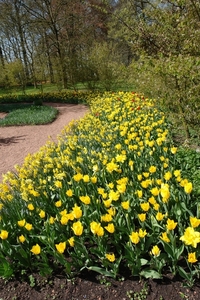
(112, 193)
(174, 82)
(61, 97)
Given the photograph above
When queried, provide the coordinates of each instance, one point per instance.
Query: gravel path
(16, 142)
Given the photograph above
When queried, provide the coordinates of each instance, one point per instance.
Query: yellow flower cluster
(110, 180)
(191, 237)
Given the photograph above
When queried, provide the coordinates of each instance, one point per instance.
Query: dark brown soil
(91, 286)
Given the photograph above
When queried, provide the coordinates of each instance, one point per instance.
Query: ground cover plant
(113, 192)
(29, 115)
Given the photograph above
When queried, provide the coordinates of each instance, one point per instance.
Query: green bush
(114, 192)
(61, 97)
(174, 82)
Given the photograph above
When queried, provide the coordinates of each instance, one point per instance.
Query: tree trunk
(50, 66)
(21, 36)
(3, 67)
(1, 58)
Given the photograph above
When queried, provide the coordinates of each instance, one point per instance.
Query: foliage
(105, 65)
(32, 115)
(50, 39)
(113, 192)
(165, 40)
(11, 73)
(174, 82)
(73, 97)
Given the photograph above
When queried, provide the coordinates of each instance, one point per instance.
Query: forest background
(150, 46)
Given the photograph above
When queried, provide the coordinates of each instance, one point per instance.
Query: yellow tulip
(77, 228)
(142, 233)
(21, 223)
(4, 234)
(96, 228)
(134, 237)
(58, 203)
(30, 206)
(145, 206)
(69, 193)
(171, 225)
(192, 258)
(194, 222)
(78, 177)
(155, 191)
(86, 178)
(125, 205)
(85, 199)
(106, 218)
(22, 238)
(110, 228)
(188, 188)
(142, 217)
(36, 249)
(28, 226)
(168, 176)
(71, 241)
(155, 251)
(164, 237)
(110, 257)
(152, 169)
(61, 247)
(77, 212)
(191, 237)
(42, 214)
(159, 216)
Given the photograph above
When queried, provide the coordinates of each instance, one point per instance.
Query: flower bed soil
(91, 286)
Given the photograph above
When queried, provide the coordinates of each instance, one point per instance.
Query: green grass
(28, 90)
(48, 88)
(28, 115)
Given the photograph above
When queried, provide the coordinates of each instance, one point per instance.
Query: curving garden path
(16, 142)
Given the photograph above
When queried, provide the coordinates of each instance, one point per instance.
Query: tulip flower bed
(111, 194)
